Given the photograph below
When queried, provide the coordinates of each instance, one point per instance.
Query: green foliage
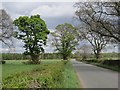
(2, 62)
(18, 56)
(64, 39)
(50, 74)
(50, 56)
(110, 55)
(45, 76)
(14, 56)
(109, 64)
(104, 56)
(33, 32)
(107, 60)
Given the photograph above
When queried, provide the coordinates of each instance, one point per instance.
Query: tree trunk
(65, 57)
(97, 55)
(35, 59)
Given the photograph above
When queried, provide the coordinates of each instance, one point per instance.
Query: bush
(92, 61)
(14, 56)
(2, 62)
(18, 56)
(31, 62)
(111, 62)
(64, 61)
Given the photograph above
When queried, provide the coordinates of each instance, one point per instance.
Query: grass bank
(111, 67)
(108, 64)
(48, 74)
(70, 78)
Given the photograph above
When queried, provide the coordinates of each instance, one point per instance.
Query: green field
(16, 66)
(48, 74)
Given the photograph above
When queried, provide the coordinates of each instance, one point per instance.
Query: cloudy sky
(53, 13)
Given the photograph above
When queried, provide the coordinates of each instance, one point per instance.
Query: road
(92, 76)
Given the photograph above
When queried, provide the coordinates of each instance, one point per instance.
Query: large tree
(6, 28)
(33, 32)
(102, 15)
(64, 39)
(97, 41)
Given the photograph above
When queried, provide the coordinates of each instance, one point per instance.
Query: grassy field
(16, 66)
(48, 74)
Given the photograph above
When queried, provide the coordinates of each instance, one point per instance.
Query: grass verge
(48, 74)
(107, 66)
(70, 78)
(114, 68)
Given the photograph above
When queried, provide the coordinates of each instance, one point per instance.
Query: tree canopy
(33, 32)
(64, 39)
(101, 15)
(97, 41)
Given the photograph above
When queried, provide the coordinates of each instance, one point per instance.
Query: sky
(53, 13)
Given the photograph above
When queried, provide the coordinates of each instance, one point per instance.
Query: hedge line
(103, 56)
(17, 56)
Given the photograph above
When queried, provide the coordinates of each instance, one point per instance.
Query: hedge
(18, 56)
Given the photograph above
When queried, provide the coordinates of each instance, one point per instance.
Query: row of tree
(99, 25)
(21, 56)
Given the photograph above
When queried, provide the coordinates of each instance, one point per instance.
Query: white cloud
(1, 5)
(20, 7)
(59, 10)
(16, 9)
(42, 0)
(4, 50)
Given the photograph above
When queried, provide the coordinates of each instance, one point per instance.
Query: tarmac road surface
(92, 76)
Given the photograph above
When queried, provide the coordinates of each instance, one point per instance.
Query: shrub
(31, 62)
(19, 56)
(64, 61)
(2, 62)
(111, 62)
(92, 61)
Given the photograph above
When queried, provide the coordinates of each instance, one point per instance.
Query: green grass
(48, 74)
(114, 68)
(107, 66)
(13, 67)
(71, 80)
(16, 66)
(0, 72)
